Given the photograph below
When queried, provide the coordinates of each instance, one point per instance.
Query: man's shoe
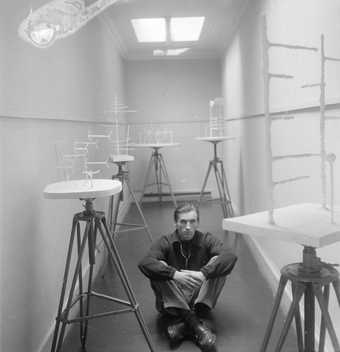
(176, 333)
(204, 338)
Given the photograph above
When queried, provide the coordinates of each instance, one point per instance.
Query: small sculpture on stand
(94, 226)
(216, 118)
(80, 151)
(120, 157)
(66, 161)
(215, 135)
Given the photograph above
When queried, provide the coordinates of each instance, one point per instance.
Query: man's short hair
(185, 208)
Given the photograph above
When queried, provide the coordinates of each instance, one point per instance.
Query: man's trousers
(171, 295)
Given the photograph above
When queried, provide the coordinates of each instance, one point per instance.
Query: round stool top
(120, 158)
(215, 139)
(154, 145)
(82, 189)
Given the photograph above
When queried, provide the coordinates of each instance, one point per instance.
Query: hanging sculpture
(59, 19)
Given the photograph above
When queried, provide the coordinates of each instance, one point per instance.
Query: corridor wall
(46, 95)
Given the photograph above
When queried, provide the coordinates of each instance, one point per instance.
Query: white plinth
(307, 224)
(153, 145)
(121, 158)
(215, 139)
(82, 189)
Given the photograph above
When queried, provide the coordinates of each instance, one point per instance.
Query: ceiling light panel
(149, 30)
(169, 52)
(176, 52)
(183, 29)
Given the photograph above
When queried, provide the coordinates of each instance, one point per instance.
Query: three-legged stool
(216, 164)
(157, 166)
(95, 224)
(123, 176)
(311, 278)
(308, 225)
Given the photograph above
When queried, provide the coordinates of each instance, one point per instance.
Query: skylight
(149, 30)
(183, 29)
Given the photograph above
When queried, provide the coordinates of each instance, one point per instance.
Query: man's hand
(195, 274)
(193, 279)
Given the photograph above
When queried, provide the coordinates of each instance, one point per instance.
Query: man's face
(186, 225)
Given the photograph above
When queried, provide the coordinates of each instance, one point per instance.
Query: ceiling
(221, 21)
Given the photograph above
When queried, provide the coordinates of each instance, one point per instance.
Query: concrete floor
(240, 315)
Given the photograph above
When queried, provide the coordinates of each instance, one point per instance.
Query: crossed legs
(184, 306)
(171, 295)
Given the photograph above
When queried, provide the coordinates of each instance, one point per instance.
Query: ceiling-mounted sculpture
(59, 19)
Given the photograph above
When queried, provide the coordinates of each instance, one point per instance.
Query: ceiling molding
(114, 33)
(237, 22)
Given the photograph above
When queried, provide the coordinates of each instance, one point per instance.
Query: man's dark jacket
(203, 247)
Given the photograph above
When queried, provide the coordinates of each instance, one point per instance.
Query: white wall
(291, 22)
(42, 92)
(2, 40)
(174, 94)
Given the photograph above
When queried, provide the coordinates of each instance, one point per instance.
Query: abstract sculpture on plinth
(308, 225)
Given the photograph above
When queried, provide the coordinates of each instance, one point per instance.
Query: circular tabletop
(153, 145)
(82, 189)
(120, 158)
(215, 139)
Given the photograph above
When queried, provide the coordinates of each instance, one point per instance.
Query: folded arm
(154, 265)
(221, 261)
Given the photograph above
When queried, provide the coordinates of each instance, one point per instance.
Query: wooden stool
(123, 176)
(95, 224)
(216, 164)
(311, 278)
(157, 166)
(309, 225)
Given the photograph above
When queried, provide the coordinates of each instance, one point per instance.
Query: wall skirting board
(180, 196)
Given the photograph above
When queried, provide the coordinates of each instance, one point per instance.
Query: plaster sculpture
(267, 77)
(121, 142)
(305, 224)
(58, 19)
(323, 118)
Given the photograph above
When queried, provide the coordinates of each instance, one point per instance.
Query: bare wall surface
(289, 22)
(174, 94)
(74, 80)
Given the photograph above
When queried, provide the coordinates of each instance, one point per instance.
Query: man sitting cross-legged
(187, 270)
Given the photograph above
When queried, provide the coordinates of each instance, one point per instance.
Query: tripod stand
(309, 225)
(216, 164)
(95, 223)
(308, 278)
(123, 176)
(157, 165)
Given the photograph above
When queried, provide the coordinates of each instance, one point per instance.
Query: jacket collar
(196, 240)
